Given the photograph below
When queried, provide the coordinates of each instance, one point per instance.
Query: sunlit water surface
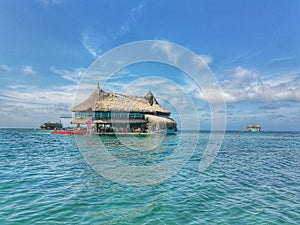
(255, 179)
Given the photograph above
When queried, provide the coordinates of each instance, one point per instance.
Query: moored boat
(68, 131)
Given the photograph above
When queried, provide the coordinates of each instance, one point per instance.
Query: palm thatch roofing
(158, 119)
(102, 101)
(253, 126)
(79, 121)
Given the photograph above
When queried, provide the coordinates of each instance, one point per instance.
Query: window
(136, 116)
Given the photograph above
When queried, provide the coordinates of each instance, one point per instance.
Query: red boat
(72, 132)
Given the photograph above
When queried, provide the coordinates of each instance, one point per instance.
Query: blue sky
(252, 48)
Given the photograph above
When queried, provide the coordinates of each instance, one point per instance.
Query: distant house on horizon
(51, 125)
(254, 128)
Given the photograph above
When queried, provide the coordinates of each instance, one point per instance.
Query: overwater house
(51, 125)
(254, 128)
(119, 113)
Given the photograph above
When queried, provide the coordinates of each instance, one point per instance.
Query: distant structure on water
(51, 126)
(253, 128)
(119, 113)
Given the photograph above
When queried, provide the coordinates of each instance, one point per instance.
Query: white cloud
(35, 95)
(167, 49)
(30, 106)
(207, 59)
(5, 68)
(278, 79)
(73, 76)
(203, 63)
(163, 89)
(17, 86)
(90, 44)
(211, 95)
(175, 54)
(94, 42)
(135, 13)
(280, 59)
(28, 70)
(244, 85)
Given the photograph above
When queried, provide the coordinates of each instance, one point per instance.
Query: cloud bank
(247, 85)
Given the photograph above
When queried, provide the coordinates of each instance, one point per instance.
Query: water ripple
(253, 180)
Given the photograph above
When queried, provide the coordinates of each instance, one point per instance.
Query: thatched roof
(158, 119)
(100, 100)
(78, 121)
(253, 126)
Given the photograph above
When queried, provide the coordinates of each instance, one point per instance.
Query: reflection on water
(138, 159)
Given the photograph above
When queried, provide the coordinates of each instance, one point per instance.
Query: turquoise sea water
(255, 179)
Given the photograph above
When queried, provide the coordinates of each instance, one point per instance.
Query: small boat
(68, 131)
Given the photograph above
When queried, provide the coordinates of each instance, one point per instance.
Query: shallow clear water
(255, 179)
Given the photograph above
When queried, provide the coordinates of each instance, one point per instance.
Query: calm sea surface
(254, 179)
